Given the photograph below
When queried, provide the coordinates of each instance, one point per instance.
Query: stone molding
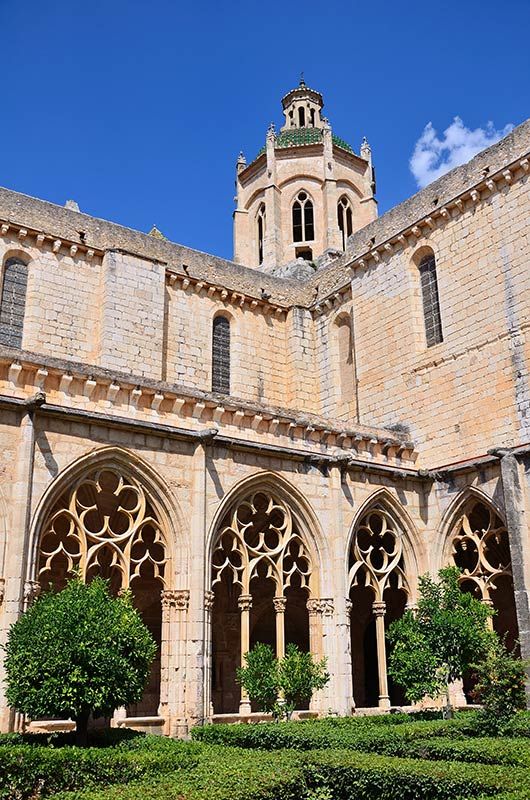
(320, 607)
(175, 598)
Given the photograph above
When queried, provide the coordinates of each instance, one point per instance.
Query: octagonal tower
(305, 192)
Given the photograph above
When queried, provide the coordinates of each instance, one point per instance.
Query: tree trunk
(81, 729)
(448, 711)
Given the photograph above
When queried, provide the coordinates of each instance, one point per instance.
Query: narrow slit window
(221, 355)
(431, 302)
(261, 232)
(13, 302)
(301, 116)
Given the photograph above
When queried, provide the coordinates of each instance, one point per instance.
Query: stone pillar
(349, 607)
(279, 610)
(17, 594)
(245, 604)
(314, 610)
(209, 599)
(515, 474)
(321, 633)
(379, 610)
(173, 661)
(331, 235)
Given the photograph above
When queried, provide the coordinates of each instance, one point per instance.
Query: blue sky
(138, 110)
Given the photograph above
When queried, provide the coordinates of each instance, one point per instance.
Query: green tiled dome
(299, 137)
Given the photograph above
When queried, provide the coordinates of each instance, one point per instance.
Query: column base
(384, 702)
(244, 708)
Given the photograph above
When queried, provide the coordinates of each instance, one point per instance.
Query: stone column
(175, 605)
(209, 599)
(379, 610)
(314, 610)
(349, 607)
(279, 610)
(245, 604)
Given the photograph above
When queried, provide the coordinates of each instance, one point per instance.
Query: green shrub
(500, 688)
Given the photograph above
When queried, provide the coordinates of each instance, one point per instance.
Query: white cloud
(434, 155)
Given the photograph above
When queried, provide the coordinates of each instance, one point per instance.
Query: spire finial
(302, 81)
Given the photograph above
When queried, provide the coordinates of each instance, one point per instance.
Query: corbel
(224, 294)
(185, 283)
(4, 229)
(56, 245)
(328, 303)
(136, 395)
(445, 213)
(14, 373)
(490, 184)
(73, 250)
(112, 391)
(317, 310)
(88, 388)
(386, 447)
(40, 378)
(361, 263)
(278, 311)
(156, 401)
(256, 422)
(65, 383)
(416, 231)
(475, 195)
(254, 304)
(308, 430)
(218, 413)
(340, 438)
(430, 223)
(178, 405)
(324, 436)
(22, 233)
(90, 254)
(507, 175)
(459, 203)
(198, 286)
(171, 279)
(238, 418)
(375, 255)
(388, 248)
(211, 291)
(524, 163)
(198, 409)
(274, 424)
(291, 428)
(403, 241)
(40, 239)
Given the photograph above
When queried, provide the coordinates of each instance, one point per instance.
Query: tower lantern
(304, 193)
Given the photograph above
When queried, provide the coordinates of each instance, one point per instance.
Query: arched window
(345, 217)
(13, 302)
(221, 355)
(301, 116)
(431, 303)
(303, 224)
(261, 231)
(345, 347)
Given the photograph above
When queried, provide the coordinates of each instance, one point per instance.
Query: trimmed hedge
(232, 774)
(29, 771)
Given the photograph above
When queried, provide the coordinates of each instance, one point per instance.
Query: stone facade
(341, 430)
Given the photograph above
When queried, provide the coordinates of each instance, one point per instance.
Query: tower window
(301, 116)
(431, 303)
(303, 219)
(13, 302)
(261, 231)
(221, 355)
(345, 218)
(312, 115)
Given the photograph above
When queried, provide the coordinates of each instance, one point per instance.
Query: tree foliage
(435, 645)
(500, 687)
(76, 652)
(279, 685)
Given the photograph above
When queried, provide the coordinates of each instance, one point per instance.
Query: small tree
(436, 645)
(501, 679)
(279, 685)
(300, 677)
(260, 677)
(76, 652)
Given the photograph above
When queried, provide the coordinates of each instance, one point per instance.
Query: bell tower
(304, 193)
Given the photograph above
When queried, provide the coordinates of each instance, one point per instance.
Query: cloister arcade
(269, 576)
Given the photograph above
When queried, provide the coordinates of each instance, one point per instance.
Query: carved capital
(32, 589)
(279, 604)
(379, 608)
(245, 602)
(175, 598)
(209, 598)
(323, 607)
(349, 606)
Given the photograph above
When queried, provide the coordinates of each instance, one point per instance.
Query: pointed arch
(450, 517)
(286, 493)
(413, 550)
(130, 465)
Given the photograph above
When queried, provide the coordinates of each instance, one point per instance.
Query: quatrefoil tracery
(376, 556)
(480, 548)
(260, 541)
(104, 525)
